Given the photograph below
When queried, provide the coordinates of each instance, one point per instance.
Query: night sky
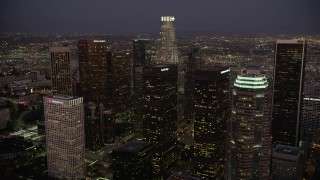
(143, 16)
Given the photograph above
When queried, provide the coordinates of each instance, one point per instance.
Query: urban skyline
(126, 94)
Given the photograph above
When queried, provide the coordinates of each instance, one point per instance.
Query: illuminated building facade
(160, 114)
(93, 70)
(287, 91)
(141, 58)
(168, 54)
(210, 119)
(119, 94)
(132, 161)
(248, 145)
(311, 117)
(65, 139)
(168, 50)
(60, 70)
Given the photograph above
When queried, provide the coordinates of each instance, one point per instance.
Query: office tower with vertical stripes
(60, 70)
(65, 136)
(288, 81)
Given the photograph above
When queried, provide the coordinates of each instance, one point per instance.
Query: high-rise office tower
(287, 91)
(194, 62)
(60, 70)
(168, 50)
(119, 94)
(249, 138)
(160, 114)
(168, 54)
(93, 70)
(141, 58)
(65, 139)
(132, 161)
(311, 117)
(210, 119)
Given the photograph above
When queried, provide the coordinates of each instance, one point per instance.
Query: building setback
(65, 139)
(210, 119)
(287, 91)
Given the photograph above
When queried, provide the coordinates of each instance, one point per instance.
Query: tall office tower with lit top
(160, 114)
(65, 139)
(288, 83)
(168, 50)
(168, 54)
(249, 138)
(60, 70)
(210, 120)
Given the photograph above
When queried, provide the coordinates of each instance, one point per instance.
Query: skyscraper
(311, 117)
(287, 91)
(60, 70)
(168, 54)
(249, 138)
(160, 114)
(93, 70)
(210, 119)
(194, 62)
(65, 139)
(119, 94)
(168, 50)
(141, 58)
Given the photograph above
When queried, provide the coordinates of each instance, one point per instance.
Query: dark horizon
(122, 17)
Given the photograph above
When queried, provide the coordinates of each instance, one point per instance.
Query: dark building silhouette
(287, 91)
(60, 70)
(210, 119)
(141, 58)
(160, 114)
(119, 94)
(93, 126)
(194, 62)
(93, 70)
(109, 128)
(132, 161)
(248, 143)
